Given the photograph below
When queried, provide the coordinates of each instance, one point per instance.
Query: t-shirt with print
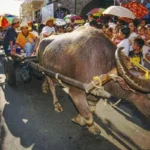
(138, 57)
(22, 39)
(126, 46)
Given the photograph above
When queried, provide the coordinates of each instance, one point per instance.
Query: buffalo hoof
(94, 129)
(79, 120)
(92, 106)
(58, 107)
(45, 90)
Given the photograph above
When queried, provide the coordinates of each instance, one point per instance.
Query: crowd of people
(131, 36)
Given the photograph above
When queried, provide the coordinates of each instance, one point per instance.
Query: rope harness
(59, 81)
(99, 85)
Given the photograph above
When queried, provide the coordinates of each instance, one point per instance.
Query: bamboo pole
(83, 86)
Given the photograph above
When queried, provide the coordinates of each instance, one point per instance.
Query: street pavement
(29, 122)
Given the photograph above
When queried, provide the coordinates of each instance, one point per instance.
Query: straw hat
(48, 19)
(24, 24)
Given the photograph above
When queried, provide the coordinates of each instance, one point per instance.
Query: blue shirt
(10, 35)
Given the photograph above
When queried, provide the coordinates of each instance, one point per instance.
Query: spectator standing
(143, 23)
(142, 32)
(49, 29)
(10, 36)
(116, 37)
(133, 34)
(124, 35)
(109, 33)
(90, 18)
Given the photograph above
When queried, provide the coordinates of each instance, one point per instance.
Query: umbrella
(138, 9)
(9, 19)
(68, 16)
(9, 15)
(96, 12)
(119, 11)
(77, 19)
(60, 22)
(4, 22)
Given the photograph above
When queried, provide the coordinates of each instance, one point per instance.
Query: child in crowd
(147, 39)
(133, 34)
(136, 54)
(109, 33)
(116, 38)
(142, 32)
(105, 27)
(143, 23)
(124, 33)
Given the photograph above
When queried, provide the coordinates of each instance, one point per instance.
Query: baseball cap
(15, 20)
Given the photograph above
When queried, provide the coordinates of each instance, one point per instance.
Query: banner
(47, 11)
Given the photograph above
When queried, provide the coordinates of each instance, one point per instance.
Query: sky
(10, 7)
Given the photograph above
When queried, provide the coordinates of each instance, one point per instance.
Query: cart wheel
(9, 69)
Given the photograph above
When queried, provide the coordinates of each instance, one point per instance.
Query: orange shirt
(22, 40)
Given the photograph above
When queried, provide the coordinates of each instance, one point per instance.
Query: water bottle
(8, 49)
(18, 49)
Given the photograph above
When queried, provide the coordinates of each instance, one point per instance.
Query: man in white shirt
(49, 29)
(124, 35)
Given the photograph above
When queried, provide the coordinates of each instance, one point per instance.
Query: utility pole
(75, 6)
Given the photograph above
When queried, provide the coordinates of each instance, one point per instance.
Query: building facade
(32, 9)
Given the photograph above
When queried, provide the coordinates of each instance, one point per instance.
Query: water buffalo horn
(142, 85)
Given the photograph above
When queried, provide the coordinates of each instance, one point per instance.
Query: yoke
(95, 87)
